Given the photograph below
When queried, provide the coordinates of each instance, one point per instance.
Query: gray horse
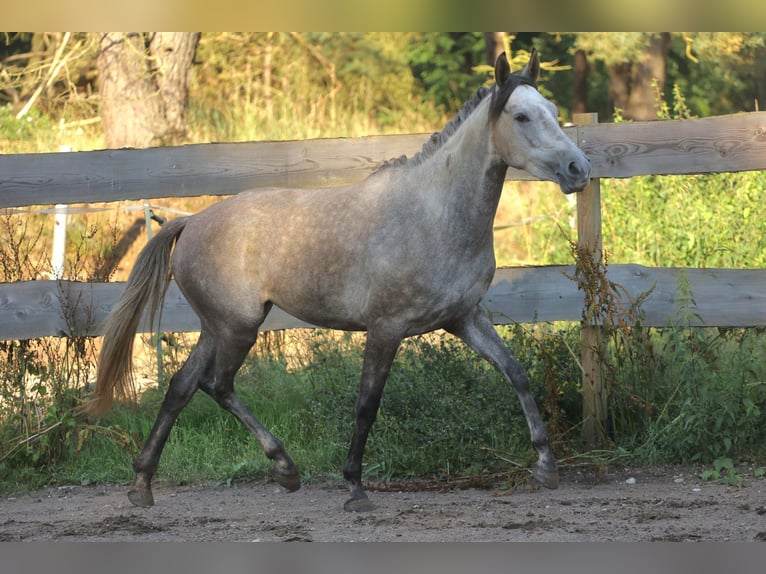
(406, 251)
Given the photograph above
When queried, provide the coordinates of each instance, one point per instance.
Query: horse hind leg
(229, 357)
(182, 387)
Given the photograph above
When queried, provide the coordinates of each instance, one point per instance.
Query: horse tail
(147, 285)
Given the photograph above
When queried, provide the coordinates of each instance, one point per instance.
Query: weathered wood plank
(49, 308)
(193, 170)
(722, 297)
(718, 297)
(723, 143)
(727, 143)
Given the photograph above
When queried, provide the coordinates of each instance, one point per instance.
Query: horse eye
(521, 118)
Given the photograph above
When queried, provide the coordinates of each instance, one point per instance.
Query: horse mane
(499, 96)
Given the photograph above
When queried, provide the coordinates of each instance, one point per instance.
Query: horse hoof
(548, 478)
(358, 505)
(291, 482)
(142, 498)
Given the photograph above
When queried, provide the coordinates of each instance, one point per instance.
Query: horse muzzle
(574, 176)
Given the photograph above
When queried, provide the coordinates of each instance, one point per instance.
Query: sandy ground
(625, 505)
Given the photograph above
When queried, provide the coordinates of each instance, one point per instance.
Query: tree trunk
(633, 87)
(619, 87)
(760, 79)
(643, 104)
(143, 85)
(172, 54)
(580, 90)
(495, 45)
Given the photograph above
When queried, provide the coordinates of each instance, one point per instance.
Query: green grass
(695, 397)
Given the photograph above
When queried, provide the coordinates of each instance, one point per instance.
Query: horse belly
(438, 309)
(324, 300)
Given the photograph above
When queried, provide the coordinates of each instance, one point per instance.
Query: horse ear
(532, 69)
(502, 69)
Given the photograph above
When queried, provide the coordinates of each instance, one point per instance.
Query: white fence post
(58, 257)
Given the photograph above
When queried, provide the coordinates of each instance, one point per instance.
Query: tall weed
(42, 380)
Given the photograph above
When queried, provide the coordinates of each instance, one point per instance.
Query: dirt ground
(670, 504)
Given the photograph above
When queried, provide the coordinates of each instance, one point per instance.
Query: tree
(644, 79)
(443, 62)
(143, 86)
(636, 64)
(722, 72)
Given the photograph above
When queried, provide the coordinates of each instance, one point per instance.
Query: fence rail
(722, 298)
(723, 143)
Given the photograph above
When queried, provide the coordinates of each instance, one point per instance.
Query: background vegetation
(677, 395)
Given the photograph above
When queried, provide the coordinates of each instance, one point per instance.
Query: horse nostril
(574, 169)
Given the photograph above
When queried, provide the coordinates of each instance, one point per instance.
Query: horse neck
(465, 174)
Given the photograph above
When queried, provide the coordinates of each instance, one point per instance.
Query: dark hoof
(358, 505)
(291, 482)
(142, 498)
(548, 478)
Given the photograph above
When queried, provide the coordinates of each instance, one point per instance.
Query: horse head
(525, 129)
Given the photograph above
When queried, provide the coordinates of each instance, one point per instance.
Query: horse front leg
(478, 332)
(379, 354)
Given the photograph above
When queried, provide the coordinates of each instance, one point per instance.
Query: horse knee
(517, 376)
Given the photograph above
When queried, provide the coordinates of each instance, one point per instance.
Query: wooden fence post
(589, 238)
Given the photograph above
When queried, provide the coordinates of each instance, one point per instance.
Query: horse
(406, 251)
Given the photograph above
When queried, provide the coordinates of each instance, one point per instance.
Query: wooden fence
(723, 297)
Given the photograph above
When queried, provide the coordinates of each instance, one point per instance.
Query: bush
(709, 395)
(26, 128)
(686, 221)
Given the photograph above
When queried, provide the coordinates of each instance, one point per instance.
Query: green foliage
(686, 221)
(681, 393)
(256, 86)
(444, 412)
(718, 64)
(444, 64)
(25, 128)
(42, 381)
(40, 386)
(726, 471)
(711, 392)
(677, 395)
(614, 47)
(723, 468)
(269, 85)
